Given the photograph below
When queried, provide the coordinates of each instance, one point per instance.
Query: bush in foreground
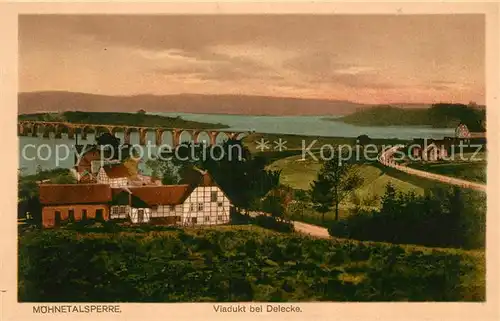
(264, 221)
(230, 263)
(442, 218)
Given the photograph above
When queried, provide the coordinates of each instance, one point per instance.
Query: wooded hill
(139, 118)
(441, 115)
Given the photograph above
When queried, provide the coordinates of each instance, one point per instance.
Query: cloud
(330, 69)
(443, 85)
(334, 55)
(239, 64)
(173, 53)
(355, 70)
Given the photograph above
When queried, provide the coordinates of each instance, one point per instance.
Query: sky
(360, 58)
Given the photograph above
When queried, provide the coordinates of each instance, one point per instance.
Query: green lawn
(299, 174)
(296, 172)
(471, 171)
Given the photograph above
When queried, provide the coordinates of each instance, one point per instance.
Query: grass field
(299, 174)
(234, 264)
(471, 171)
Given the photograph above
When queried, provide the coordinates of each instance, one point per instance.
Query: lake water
(299, 125)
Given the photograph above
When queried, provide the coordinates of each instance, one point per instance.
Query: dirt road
(312, 230)
(300, 227)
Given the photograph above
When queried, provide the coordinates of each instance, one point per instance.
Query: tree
(363, 140)
(299, 203)
(321, 194)
(164, 170)
(335, 181)
(296, 208)
(442, 217)
(389, 200)
(273, 204)
(132, 166)
(344, 179)
(107, 139)
(57, 117)
(66, 178)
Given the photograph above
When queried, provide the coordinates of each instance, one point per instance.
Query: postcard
(266, 161)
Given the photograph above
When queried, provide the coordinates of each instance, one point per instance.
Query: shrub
(442, 218)
(234, 264)
(274, 224)
(265, 221)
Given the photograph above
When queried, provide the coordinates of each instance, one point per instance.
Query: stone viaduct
(33, 128)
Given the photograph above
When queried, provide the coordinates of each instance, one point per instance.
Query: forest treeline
(442, 115)
(140, 118)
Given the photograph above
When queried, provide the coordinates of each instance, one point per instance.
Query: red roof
(51, 194)
(197, 177)
(207, 180)
(116, 171)
(160, 195)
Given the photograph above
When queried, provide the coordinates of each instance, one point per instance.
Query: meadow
(471, 171)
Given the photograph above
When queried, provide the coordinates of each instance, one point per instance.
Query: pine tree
(321, 194)
(341, 179)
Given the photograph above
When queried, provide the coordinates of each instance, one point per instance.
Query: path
(385, 159)
(301, 227)
(312, 230)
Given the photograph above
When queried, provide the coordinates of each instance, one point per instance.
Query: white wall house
(136, 215)
(205, 204)
(434, 152)
(115, 178)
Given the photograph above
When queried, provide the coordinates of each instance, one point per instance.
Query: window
(71, 215)
(122, 209)
(220, 218)
(200, 207)
(191, 207)
(99, 215)
(178, 218)
(172, 208)
(213, 196)
(194, 220)
(207, 218)
(114, 210)
(219, 204)
(84, 215)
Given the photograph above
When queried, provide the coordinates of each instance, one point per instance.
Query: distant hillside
(438, 115)
(54, 101)
(114, 118)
